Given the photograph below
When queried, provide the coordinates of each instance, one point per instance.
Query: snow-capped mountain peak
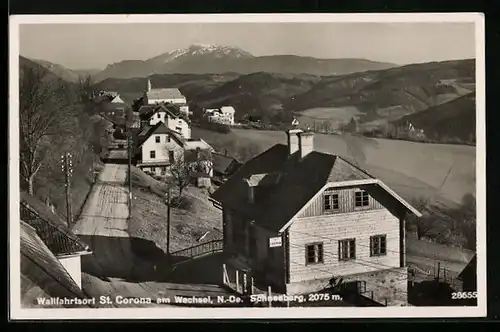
(199, 49)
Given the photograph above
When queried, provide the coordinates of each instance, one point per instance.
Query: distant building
(165, 95)
(223, 115)
(224, 166)
(167, 113)
(157, 148)
(51, 253)
(296, 219)
(117, 100)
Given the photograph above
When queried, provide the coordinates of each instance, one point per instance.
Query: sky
(86, 46)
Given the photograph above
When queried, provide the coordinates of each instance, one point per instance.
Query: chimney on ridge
(306, 143)
(293, 140)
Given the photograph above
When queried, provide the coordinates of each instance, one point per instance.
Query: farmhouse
(157, 148)
(169, 114)
(223, 115)
(46, 238)
(165, 95)
(299, 218)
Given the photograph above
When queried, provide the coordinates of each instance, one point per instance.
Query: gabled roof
(157, 129)
(117, 99)
(222, 162)
(165, 93)
(50, 227)
(146, 111)
(193, 144)
(41, 271)
(296, 182)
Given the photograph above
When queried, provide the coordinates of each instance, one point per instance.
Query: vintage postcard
(247, 166)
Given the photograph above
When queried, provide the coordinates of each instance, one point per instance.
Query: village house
(167, 113)
(295, 218)
(46, 238)
(165, 95)
(223, 167)
(223, 115)
(157, 148)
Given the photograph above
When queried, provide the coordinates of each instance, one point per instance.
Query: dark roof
(222, 162)
(292, 183)
(41, 271)
(50, 227)
(469, 272)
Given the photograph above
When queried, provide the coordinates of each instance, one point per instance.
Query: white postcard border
(243, 313)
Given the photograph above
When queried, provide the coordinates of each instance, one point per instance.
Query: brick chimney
(293, 140)
(250, 191)
(306, 143)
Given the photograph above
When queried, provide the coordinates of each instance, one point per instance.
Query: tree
(44, 109)
(247, 151)
(180, 172)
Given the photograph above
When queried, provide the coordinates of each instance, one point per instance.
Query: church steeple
(149, 85)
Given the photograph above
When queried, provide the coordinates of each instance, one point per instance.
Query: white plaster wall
(72, 264)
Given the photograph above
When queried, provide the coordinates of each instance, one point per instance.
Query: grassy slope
(412, 169)
(454, 119)
(149, 214)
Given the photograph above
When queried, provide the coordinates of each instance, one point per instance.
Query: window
(153, 169)
(158, 115)
(314, 253)
(163, 170)
(152, 154)
(378, 245)
(361, 198)
(347, 249)
(171, 156)
(331, 202)
(167, 139)
(157, 139)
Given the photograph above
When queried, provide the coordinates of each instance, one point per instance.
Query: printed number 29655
(463, 295)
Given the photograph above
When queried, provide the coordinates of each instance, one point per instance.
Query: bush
(181, 202)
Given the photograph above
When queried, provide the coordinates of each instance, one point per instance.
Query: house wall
(346, 203)
(329, 229)
(161, 149)
(176, 124)
(72, 264)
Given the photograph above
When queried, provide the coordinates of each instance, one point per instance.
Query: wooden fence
(199, 250)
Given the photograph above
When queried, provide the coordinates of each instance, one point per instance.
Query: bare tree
(180, 172)
(44, 104)
(423, 224)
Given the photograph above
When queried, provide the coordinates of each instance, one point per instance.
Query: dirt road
(113, 269)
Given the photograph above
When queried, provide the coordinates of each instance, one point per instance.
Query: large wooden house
(299, 218)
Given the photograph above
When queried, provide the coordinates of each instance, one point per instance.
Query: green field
(411, 169)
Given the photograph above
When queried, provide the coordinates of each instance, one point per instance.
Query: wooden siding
(329, 229)
(346, 203)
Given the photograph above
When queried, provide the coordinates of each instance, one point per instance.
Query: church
(153, 96)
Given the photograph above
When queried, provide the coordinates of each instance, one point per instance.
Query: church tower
(149, 85)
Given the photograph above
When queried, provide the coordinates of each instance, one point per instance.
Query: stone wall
(389, 284)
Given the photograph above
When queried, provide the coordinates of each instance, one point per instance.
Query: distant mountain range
(373, 96)
(216, 59)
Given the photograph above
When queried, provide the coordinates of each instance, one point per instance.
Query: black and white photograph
(247, 166)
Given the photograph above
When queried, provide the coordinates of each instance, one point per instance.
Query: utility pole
(92, 169)
(67, 168)
(168, 222)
